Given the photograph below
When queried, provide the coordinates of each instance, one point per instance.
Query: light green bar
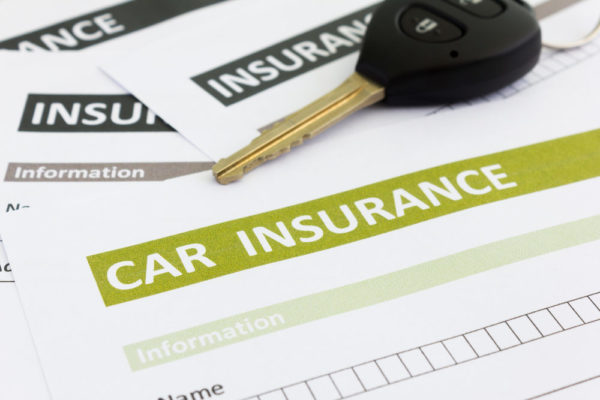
(522, 171)
(362, 294)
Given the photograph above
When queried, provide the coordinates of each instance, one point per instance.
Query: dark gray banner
(285, 60)
(257, 72)
(102, 172)
(88, 113)
(103, 25)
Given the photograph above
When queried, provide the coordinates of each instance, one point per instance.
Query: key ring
(577, 43)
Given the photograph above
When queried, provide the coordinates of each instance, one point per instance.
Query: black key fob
(442, 51)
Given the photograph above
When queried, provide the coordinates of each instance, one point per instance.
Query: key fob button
(480, 8)
(426, 26)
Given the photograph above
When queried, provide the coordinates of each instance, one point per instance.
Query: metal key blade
(354, 94)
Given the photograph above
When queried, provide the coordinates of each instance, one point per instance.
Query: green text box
(185, 343)
(533, 168)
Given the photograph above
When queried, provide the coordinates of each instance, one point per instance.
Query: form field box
(460, 349)
(590, 49)
(596, 299)
(416, 362)
(542, 71)
(370, 375)
(323, 389)
(437, 355)
(521, 84)
(586, 309)
(274, 395)
(524, 329)
(508, 91)
(565, 59)
(503, 336)
(532, 78)
(545, 322)
(347, 382)
(298, 392)
(578, 54)
(481, 342)
(555, 66)
(393, 369)
(566, 317)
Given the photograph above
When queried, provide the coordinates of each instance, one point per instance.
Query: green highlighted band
(414, 279)
(173, 262)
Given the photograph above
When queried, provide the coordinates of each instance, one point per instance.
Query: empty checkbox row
(431, 357)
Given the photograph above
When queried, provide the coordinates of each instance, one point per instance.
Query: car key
(415, 52)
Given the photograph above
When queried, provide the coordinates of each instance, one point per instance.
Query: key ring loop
(577, 43)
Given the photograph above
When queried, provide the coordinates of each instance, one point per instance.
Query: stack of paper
(406, 253)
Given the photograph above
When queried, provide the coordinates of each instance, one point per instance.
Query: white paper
(100, 27)
(73, 151)
(17, 16)
(20, 371)
(47, 116)
(20, 376)
(87, 344)
(161, 73)
(39, 148)
(63, 25)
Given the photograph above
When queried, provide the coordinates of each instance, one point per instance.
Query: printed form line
(560, 389)
(552, 63)
(286, 315)
(445, 353)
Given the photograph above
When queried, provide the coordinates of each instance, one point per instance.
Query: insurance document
(460, 261)
(62, 120)
(20, 371)
(97, 26)
(247, 78)
(66, 121)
